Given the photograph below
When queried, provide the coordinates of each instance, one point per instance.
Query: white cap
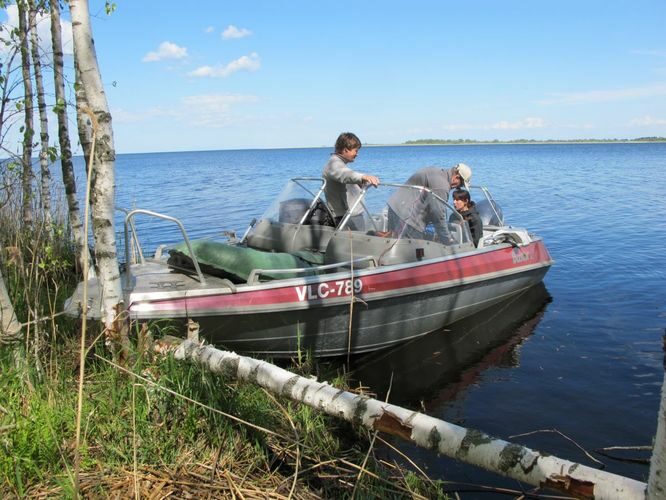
(465, 173)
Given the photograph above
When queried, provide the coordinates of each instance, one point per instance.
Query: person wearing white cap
(409, 213)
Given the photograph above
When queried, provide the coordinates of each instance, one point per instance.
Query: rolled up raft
(235, 263)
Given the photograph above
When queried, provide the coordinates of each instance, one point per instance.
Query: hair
(463, 194)
(347, 140)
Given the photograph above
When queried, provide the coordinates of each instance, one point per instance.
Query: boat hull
(353, 312)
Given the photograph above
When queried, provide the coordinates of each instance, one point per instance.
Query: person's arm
(338, 171)
(370, 179)
(476, 227)
(437, 214)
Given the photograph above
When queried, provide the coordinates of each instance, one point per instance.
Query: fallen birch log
(467, 445)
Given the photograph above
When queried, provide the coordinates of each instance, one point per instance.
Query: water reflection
(437, 367)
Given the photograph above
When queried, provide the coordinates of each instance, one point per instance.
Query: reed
(159, 427)
(140, 428)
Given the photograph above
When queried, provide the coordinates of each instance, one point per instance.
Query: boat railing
(359, 202)
(254, 275)
(131, 238)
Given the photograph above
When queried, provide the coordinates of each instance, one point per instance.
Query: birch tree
(467, 445)
(8, 85)
(45, 173)
(9, 325)
(66, 163)
(657, 479)
(28, 131)
(96, 136)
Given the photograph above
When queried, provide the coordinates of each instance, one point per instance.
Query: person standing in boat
(467, 209)
(409, 211)
(343, 185)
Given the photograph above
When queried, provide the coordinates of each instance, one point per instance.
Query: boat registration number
(340, 288)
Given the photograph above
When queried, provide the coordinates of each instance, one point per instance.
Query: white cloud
(244, 63)
(526, 123)
(166, 50)
(233, 32)
(207, 111)
(596, 96)
(43, 32)
(121, 115)
(214, 110)
(646, 121)
(209, 29)
(655, 53)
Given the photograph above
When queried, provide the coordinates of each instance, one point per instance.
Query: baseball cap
(465, 173)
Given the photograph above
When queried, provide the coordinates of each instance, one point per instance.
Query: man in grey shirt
(343, 183)
(411, 210)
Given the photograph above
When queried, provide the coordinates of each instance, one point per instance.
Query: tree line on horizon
(523, 141)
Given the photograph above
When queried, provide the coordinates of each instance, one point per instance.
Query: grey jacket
(342, 185)
(415, 210)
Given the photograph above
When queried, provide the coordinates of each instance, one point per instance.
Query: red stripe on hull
(417, 275)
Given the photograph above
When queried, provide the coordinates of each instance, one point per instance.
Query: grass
(137, 434)
(159, 427)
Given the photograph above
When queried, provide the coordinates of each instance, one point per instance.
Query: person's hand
(370, 179)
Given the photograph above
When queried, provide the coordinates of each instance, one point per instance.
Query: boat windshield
(300, 202)
(404, 211)
(489, 210)
(389, 210)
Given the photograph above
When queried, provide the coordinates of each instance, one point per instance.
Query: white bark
(67, 166)
(9, 325)
(466, 445)
(28, 132)
(43, 121)
(657, 479)
(103, 168)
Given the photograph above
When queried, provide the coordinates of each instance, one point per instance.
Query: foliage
(149, 421)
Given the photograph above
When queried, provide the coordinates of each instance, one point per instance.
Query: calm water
(582, 355)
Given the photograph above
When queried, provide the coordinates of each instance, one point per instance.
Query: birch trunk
(9, 325)
(43, 120)
(466, 445)
(28, 131)
(96, 135)
(657, 478)
(68, 178)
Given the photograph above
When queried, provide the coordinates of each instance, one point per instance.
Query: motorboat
(438, 368)
(296, 283)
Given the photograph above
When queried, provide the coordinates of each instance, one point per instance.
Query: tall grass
(159, 425)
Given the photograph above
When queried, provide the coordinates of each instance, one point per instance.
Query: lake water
(581, 355)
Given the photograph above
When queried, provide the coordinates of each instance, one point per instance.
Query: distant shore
(449, 142)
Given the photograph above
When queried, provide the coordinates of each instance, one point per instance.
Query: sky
(210, 75)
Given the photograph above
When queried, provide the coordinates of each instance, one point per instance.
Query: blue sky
(264, 74)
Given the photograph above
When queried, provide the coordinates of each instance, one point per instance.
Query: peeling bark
(67, 165)
(102, 173)
(43, 120)
(657, 479)
(467, 445)
(28, 130)
(10, 328)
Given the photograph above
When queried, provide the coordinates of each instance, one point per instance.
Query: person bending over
(410, 211)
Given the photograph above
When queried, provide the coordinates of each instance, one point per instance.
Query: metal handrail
(129, 223)
(135, 239)
(364, 190)
(252, 277)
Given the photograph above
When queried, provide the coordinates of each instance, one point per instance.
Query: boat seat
(272, 236)
(236, 263)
